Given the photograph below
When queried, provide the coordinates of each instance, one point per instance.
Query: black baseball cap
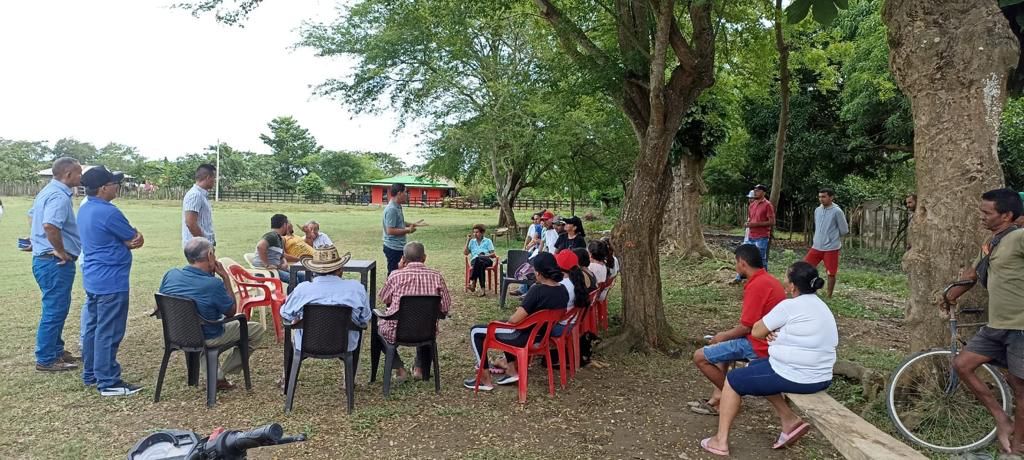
(761, 187)
(98, 176)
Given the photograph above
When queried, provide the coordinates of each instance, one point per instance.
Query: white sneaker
(471, 384)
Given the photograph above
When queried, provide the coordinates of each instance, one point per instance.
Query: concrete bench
(851, 435)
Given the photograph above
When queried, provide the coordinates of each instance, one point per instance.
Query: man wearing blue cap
(107, 240)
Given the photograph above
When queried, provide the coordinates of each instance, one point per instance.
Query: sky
(140, 73)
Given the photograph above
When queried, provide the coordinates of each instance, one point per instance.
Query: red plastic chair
(254, 291)
(565, 344)
(582, 323)
(602, 304)
(536, 344)
(492, 274)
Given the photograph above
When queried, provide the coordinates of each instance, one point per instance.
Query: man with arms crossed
(107, 241)
(1000, 269)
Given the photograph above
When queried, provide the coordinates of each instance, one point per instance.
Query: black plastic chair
(516, 258)
(183, 331)
(417, 318)
(325, 336)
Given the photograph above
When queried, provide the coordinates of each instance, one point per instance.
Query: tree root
(872, 383)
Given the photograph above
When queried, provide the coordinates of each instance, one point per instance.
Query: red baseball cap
(566, 259)
(548, 215)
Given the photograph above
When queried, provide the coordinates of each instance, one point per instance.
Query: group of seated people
(280, 246)
(215, 298)
(786, 333)
(561, 273)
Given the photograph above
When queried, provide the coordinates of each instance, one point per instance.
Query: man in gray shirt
(394, 226)
(829, 225)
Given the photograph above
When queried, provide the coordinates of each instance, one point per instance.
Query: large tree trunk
(780, 136)
(507, 186)
(682, 225)
(506, 210)
(952, 59)
(637, 240)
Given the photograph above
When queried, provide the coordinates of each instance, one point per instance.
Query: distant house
(422, 189)
(48, 174)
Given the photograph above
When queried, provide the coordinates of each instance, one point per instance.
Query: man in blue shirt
(214, 300)
(107, 240)
(55, 248)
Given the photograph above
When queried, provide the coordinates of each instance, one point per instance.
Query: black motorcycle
(225, 445)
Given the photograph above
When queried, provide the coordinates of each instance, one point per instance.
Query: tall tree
(467, 73)
(84, 152)
(953, 60)
(388, 164)
(655, 75)
(292, 147)
(784, 78)
(22, 160)
(340, 169)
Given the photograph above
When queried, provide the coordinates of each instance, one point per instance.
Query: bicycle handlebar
(945, 292)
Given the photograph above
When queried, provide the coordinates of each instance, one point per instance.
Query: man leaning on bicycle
(1000, 269)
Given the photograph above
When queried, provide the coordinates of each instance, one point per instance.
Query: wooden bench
(851, 435)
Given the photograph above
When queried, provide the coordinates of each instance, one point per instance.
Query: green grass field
(634, 408)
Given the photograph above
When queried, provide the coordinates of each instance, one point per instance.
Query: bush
(312, 186)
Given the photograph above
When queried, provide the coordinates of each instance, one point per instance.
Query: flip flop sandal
(787, 439)
(703, 408)
(705, 444)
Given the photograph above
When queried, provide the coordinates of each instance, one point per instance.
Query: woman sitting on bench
(802, 339)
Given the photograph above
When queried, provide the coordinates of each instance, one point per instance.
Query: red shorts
(831, 258)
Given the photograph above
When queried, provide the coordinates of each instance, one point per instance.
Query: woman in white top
(802, 339)
(598, 253)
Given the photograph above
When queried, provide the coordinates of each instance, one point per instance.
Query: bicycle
(220, 445)
(930, 407)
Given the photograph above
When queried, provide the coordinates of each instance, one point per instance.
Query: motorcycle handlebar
(241, 441)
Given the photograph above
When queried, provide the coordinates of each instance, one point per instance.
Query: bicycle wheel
(931, 407)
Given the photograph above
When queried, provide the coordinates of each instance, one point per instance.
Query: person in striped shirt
(196, 213)
(411, 278)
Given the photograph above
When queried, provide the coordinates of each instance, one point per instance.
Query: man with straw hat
(327, 288)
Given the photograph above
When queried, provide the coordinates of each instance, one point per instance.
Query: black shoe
(56, 366)
(122, 388)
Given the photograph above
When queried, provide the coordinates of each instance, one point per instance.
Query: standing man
(196, 213)
(394, 226)
(999, 266)
(829, 226)
(760, 220)
(55, 248)
(107, 240)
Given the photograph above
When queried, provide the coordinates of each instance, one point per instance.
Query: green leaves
(824, 13)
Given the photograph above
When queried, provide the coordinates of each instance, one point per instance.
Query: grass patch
(884, 361)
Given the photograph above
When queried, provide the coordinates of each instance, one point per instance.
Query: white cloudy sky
(142, 74)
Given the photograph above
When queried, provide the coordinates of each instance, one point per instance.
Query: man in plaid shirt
(411, 278)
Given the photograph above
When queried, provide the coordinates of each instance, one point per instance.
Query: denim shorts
(731, 350)
(759, 379)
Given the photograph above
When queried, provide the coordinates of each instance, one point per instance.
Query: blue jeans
(285, 276)
(83, 319)
(55, 282)
(394, 256)
(762, 245)
(104, 329)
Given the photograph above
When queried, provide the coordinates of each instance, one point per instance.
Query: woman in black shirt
(545, 294)
(574, 236)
